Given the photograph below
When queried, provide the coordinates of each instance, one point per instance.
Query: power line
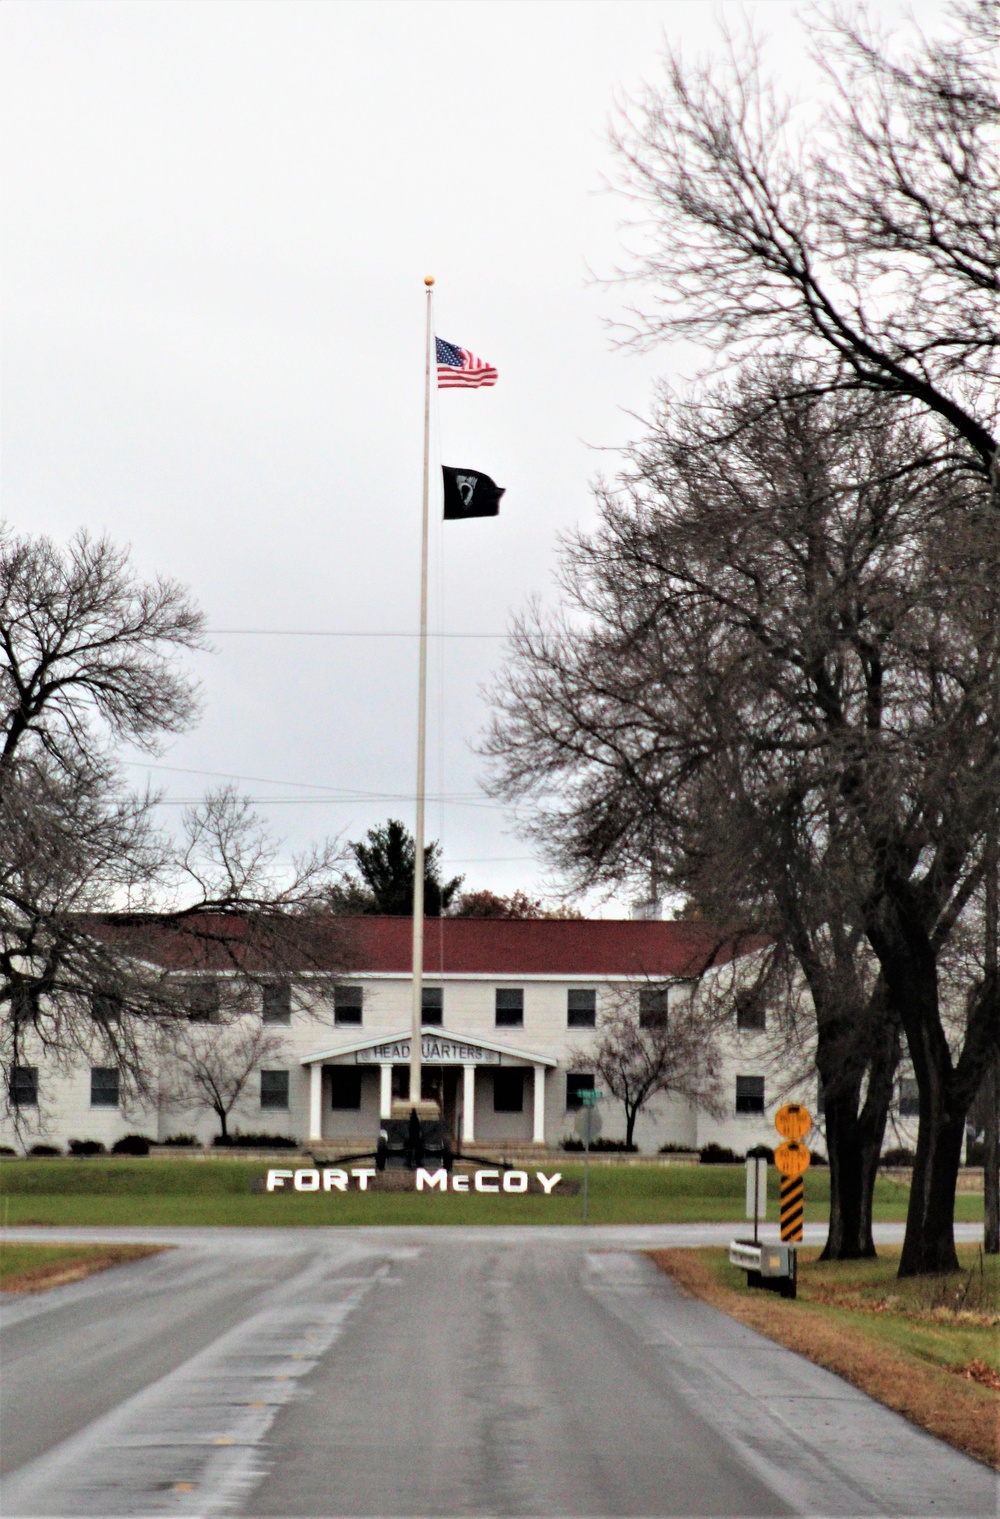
(336, 633)
(324, 801)
(346, 793)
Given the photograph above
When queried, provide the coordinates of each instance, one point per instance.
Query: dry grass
(34, 1268)
(920, 1347)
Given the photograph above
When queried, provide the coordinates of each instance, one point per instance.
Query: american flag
(457, 366)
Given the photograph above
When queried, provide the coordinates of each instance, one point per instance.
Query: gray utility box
(769, 1266)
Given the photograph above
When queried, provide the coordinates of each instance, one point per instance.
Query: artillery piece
(409, 1142)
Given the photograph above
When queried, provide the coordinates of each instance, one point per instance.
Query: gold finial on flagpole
(428, 280)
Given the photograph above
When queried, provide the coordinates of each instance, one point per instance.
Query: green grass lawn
(30, 1267)
(143, 1191)
(946, 1320)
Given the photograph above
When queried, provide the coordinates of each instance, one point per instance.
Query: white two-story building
(510, 1012)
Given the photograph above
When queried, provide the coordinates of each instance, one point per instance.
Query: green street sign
(590, 1097)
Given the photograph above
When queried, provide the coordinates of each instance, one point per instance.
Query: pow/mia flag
(469, 493)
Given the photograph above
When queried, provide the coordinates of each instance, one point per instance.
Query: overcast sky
(218, 217)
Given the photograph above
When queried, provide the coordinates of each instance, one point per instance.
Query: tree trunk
(847, 1239)
(631, 1114)
(929, 1245)
(909, 966)
(991, 1083)
(865, 1042)
(878, 1100)
(991, 1174)
(223, 1117)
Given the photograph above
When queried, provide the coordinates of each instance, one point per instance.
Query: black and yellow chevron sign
(791, 1209)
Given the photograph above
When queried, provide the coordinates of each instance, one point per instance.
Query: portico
(440, 1053)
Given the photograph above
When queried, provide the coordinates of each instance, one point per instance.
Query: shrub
(7, 1150)
(42, 1152)
(239, 1141)
(898, 1157)
(719, 1155)
(188, 1141)
(86, 1147)
(763, 1151)
(677, 1150)
(614, 1146)
(131, 1144)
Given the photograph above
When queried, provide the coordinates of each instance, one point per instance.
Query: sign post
(793, 1123)
(756, 1187)
(588, 1126)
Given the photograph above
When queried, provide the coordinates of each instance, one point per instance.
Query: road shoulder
(953, 1407)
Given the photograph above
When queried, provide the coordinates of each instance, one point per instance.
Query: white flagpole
(416, 1027)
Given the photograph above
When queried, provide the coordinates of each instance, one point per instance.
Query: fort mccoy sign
(359, 1178)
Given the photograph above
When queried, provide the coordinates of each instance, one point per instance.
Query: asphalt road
(433, 1372)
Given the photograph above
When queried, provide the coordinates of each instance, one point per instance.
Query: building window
(277, 1003)
(347, 1006)
(23, 1086)
(432, 1006)
(345, 1087)
(751, 1014)
(909, 1097)
(274, 1089)
(510, 1007)
(106, 1007)
(749, 1094)
(653, 1002)
(103, 1087)
(581, 1008)
(508, 1091)
(203, 1001)
(577, 1082)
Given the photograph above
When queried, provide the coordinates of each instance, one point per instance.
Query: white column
(385, 1090)
(468, 1104)
(316, 1101)
(539, 1134)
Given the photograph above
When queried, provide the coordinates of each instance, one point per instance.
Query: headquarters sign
(435, 1049)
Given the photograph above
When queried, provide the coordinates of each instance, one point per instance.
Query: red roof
(539, 947)
(501, 947)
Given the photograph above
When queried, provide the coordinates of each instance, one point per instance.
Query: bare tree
(98, 905)
(863, 241)
(488, 904)
(639, 1058)
(212, 1066)
(777, 683)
